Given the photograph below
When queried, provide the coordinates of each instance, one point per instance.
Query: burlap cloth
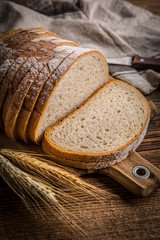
(115, 27)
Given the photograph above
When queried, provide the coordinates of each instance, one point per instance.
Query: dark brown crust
(5, 45)
(4, 70)
(119, 153)
(16, 63)
(15, 41)
(39, 50)
(11, 46)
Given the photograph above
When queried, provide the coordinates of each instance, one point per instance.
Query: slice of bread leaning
(106, 128)
(75, 79)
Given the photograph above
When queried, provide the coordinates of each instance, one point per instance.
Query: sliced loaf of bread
(76, 79)
(31, 85)
(102, 131)
(60, 53)
(33, 61)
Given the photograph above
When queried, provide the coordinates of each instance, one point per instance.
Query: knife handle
(146, 63)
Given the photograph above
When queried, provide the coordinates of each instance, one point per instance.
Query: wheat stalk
(30, 189)
(53, 173)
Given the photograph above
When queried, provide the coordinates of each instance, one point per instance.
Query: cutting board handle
(136, 174)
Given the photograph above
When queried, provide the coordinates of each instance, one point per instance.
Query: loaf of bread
(42, 79)
(102, 131)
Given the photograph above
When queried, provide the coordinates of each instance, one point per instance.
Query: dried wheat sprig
(29, 189)
(59, 176)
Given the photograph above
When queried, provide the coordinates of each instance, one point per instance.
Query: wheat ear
(31, 190)
(53, 173)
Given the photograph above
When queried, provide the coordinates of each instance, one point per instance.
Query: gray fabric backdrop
(115, 27)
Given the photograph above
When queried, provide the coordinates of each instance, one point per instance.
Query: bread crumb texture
(84, 77)
(106, 122)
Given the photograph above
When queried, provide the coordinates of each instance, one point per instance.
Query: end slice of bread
(104, 130)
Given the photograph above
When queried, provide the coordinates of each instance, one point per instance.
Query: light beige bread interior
(105, 129)
(77, 77)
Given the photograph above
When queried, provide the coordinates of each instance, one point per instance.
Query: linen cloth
(114, 27)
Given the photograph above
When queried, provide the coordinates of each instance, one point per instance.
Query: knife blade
(137, 62)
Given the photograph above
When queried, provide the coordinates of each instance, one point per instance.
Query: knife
(137, 62)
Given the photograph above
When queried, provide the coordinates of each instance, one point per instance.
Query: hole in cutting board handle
(141, 172)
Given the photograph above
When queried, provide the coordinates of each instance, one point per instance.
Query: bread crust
(49, 88)
(15, 62)
(14, 47)
(14, 50)
(119, 153)
(4, 68)
(20, 38)
(5, 47)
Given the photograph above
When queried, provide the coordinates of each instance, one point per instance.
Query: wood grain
(127, 217)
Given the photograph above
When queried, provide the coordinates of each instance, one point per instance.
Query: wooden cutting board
(135, 173)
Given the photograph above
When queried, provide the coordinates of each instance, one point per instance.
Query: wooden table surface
(128, 217)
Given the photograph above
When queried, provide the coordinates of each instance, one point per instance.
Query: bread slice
(49, 43)
(31, 85)
(105, 129)
(35, 89)
(77, 77)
